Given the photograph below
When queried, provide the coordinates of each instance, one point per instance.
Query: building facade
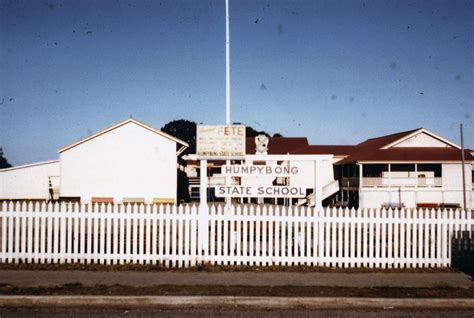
(410, 169)
(133, 162)
(127, 162)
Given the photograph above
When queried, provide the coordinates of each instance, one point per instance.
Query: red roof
(370, 150)
(278, 145)
(336, 150)
(367, 151)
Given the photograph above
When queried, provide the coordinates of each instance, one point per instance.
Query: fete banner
(259, 192)
(220, 142)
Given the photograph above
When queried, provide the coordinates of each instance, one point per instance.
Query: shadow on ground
(462, 253)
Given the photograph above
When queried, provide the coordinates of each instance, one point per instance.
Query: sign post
(220, 142)
(318, 187)
(203, 208)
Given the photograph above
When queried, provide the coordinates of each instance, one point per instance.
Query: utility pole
(463, 169)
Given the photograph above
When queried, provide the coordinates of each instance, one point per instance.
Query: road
(216, 312)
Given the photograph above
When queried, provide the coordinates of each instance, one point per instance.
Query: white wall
(452, 176)
(129, 161)
(450, 192)
(422, 140)
(28, 182)
(375, 198)
(306, 178)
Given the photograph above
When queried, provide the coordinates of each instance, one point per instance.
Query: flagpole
(227, 86)
(227, 63)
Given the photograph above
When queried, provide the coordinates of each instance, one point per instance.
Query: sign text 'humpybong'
(259, 170)
(260, 192)
(221, 141)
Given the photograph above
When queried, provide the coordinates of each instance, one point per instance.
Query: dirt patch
(281, 291)
(214, 268)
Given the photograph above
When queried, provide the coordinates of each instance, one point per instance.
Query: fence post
(203, 208)
(318, 188)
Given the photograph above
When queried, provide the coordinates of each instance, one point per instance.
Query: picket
(238, 235)
(415, 255)
(5, 208)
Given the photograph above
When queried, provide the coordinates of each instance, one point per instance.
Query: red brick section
(102, 200)
(427, 205)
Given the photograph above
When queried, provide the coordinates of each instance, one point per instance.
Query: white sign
(259, 170)
(220, 142)
(260, 192)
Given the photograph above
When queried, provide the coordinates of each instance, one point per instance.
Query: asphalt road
(216, 312)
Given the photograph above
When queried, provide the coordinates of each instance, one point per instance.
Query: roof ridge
(394, 134)
(332, 145)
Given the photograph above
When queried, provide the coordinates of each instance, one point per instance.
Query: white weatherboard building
(133, 162)
(29, 181)
(128, 162)
(412, 169)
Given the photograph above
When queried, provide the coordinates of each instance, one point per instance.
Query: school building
(134, 162)
(127, 162)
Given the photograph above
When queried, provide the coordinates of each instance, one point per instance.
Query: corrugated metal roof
(278, 145)
(337, 150)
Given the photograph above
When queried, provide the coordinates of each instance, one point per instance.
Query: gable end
(421, 139)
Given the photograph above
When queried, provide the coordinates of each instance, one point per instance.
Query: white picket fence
(229, 235)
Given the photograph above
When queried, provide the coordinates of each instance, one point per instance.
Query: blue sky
(337, 72)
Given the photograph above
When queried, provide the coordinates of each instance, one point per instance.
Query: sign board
(260, 192)
(264, 172)
(259, 170)
(220, 142)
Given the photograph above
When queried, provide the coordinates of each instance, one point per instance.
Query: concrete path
(26, 278)
(233, 302)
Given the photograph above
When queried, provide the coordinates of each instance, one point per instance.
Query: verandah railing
(234, 235)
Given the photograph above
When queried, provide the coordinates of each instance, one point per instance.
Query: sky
(337, 72)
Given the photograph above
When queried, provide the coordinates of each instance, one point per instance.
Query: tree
(3, 161)
(251, 132)
(182, 129)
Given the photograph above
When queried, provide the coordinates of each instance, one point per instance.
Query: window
(430, 167)
(374, 171)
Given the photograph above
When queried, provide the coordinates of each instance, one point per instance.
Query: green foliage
(3, 161)
(182, 129)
